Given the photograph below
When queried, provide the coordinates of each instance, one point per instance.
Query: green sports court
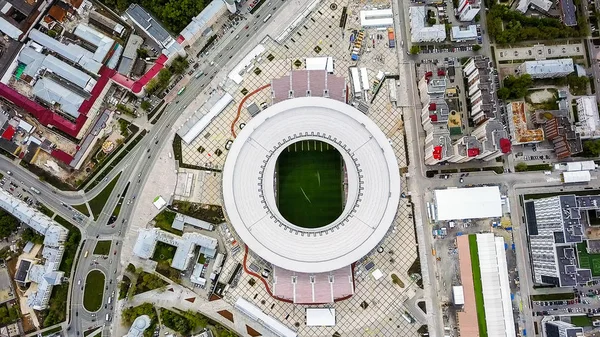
(310, 184)
(588, 261)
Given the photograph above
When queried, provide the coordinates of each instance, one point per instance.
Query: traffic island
(94, 290)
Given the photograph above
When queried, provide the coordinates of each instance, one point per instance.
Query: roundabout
(257, 193)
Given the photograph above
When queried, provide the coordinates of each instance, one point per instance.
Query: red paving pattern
(240, 106)
(467, 319)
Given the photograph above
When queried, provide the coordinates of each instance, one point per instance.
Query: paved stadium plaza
(371, 171)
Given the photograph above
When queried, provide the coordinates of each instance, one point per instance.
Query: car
(115, 253)
(76, 313)
(244, 28)
(461, 180)
(228, 144)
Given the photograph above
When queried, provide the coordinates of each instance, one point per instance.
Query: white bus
(109, 300)
(86, 253)
(267, 18)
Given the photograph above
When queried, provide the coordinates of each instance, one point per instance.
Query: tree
(145, 105)
(477, 18)
(415, 49)
(52, 33)
(164, 75)
(503, 93)
(431, 21)
(179, 65)
(515, 86)
(142, 53)
(476, 47)
(591, 148)
(521, 167)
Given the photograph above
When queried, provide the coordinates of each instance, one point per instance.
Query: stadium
(311, 185)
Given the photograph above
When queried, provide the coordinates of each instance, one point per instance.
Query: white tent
(468, 203)
(320, 317)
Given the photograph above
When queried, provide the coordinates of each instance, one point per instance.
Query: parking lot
(539, 52)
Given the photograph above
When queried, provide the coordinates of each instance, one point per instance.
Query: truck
(34, 190)
(391, 38)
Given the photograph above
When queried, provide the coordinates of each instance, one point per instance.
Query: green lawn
(71, 245)
(46, 210)
(93, 291)
(591, 261)
(553, 297)
(581, 321)
(163, 252)
(82, 208)
(97, 204)
(477, 285)
(164, 220)
(309, 178)
(102, 247)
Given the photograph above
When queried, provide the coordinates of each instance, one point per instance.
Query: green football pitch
(309, 184)
(588, 261)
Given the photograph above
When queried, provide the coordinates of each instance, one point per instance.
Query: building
(103, 45)
(538, 5)
(249, 194)
(308, 83)
(521, 132)
(419, 31)
(376, 18)
(466, 149)
(461, 34)
(588, 125)
(438, 145)
(7, 292)
(180, 220)
(547, 68)
(493, 273)
(555, 225)
(130, 54)
(45, 275)
(562, 134)
(468, 9)
(567, 12)
(140, 324)
(200, 26)
(482, 83)
(55, 96)
(493, 138)
(231, 6)
(106, 24)
(144, 21)
(256, 314)
(468, 203)
(16, 16)
(558, 328)
(185, 244)
(313, 288)
(37, 65)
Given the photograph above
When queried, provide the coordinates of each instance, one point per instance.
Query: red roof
(437, 152)
(473, 152)
(43, 115)
(433, 118)
(180, 39)
(62, 156)
(441, 72)
(105, 74)
(429, 74)
(505, 145)
(432, 106)
(8, 133)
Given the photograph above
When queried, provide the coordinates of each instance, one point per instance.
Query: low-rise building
(461, 34)
(567, 12)
(201, 25)
(108, 25)
(588, 125)
(558, 328)
(562, 134)
(539, 5)
(468, 9)
(521, 132)
(420, 31)
(130, 54)
(547, 68)
(376, 18)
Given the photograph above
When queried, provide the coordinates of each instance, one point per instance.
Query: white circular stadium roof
(373, 189)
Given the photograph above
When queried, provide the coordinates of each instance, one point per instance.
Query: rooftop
(543, 5)
(554, 66)
(52, 93)
(522, 134)
(468, 203)
(152, 27)
(464, 33)
(419, 31)
(589, 120)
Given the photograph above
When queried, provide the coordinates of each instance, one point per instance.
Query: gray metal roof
(52, 93)
(146, 22)
(35, 61)
(10, 30)
(133, 44)
(71, 52)
(199, 22)
(102, 42)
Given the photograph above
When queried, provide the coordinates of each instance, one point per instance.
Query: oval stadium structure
(370, 183)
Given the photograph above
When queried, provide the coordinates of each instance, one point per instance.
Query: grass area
(97, 204)
(165, 269)
(449, 171)
(82, 208)
(477, 285)
(522, 167)
(46, 210)
(205, 212)
(164, 219)
(581, 321)
(124, 287)
(57, 312)
(102, 247)
(93, 291)
(52, 331)
(201, 258)
(163, 252)
(71, 245)
(90, 331)
(588, 261)
(497, 169)
(553, 297)
(309, 178)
